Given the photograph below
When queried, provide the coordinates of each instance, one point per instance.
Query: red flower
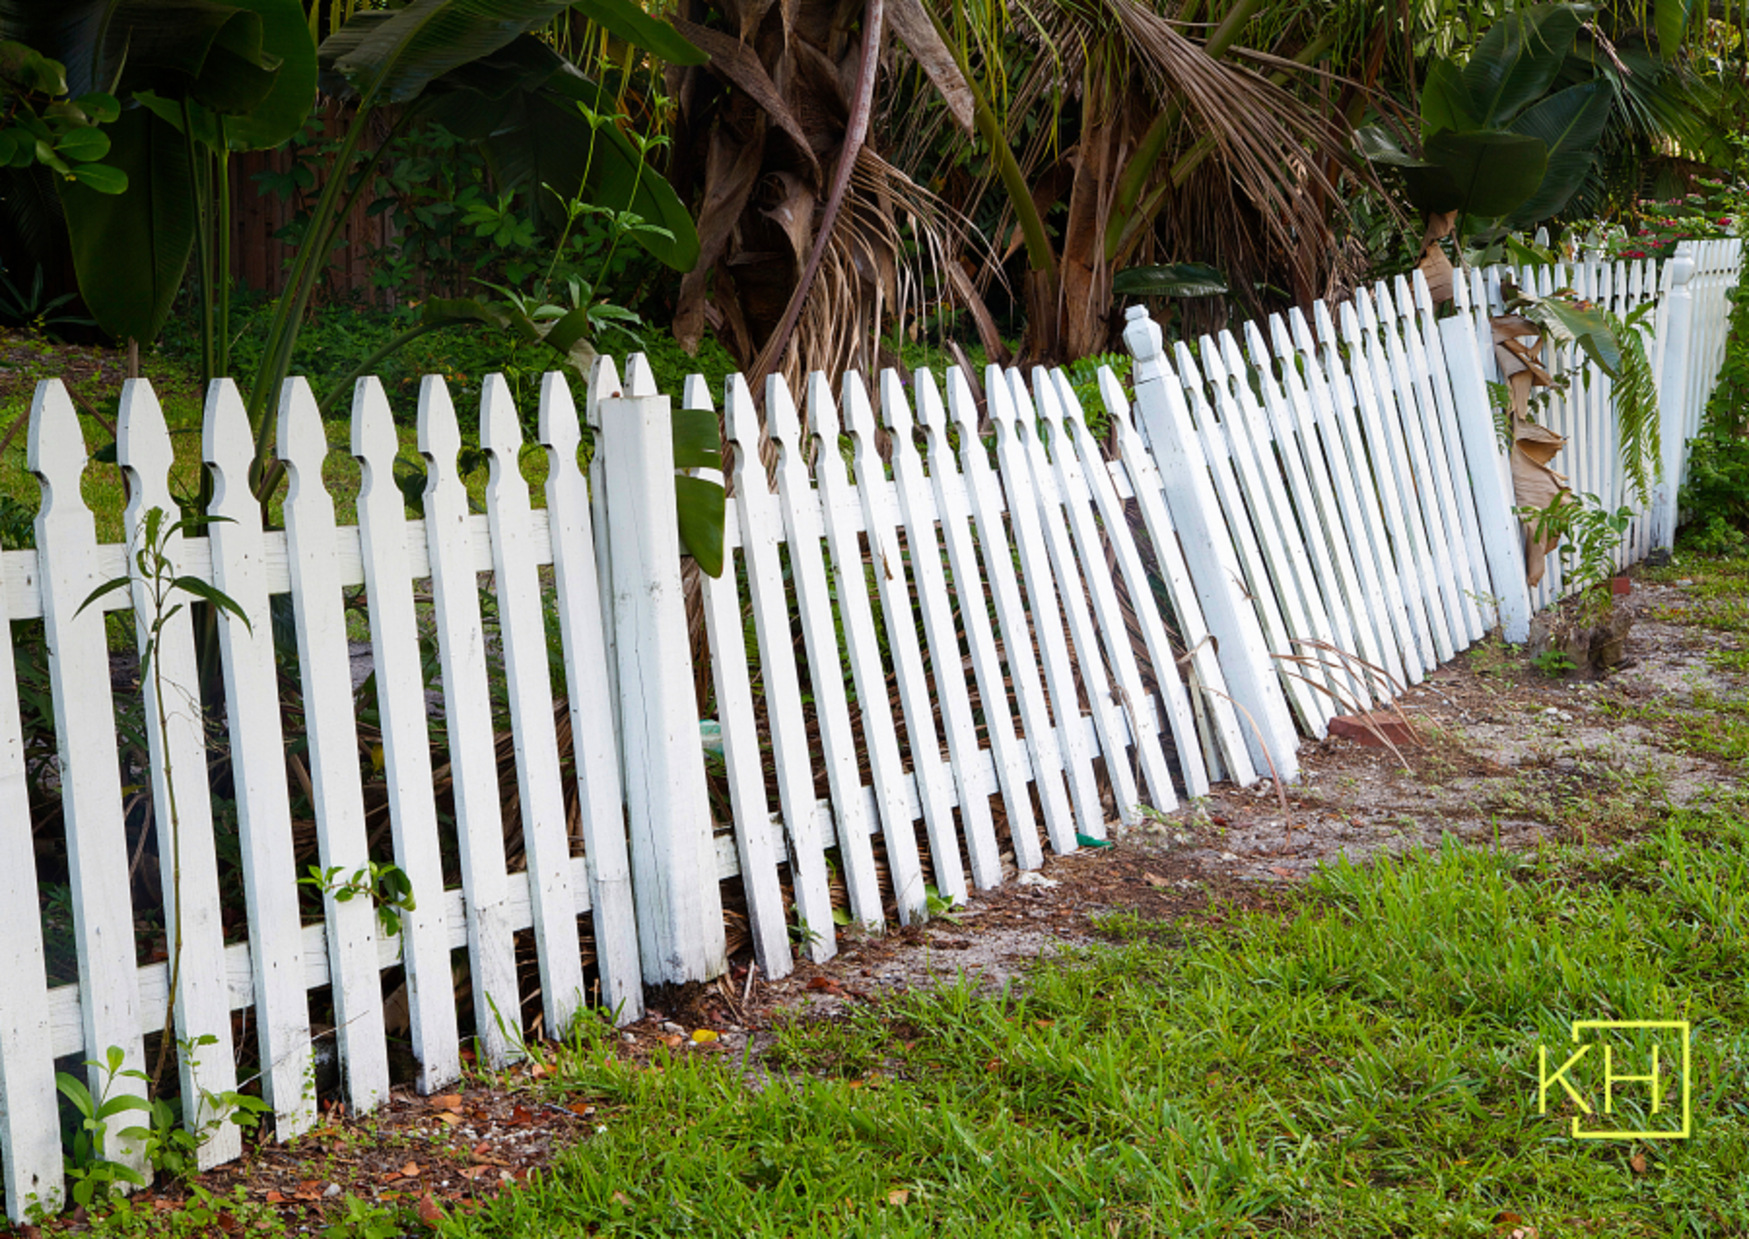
(1725, 222)
(1633, 253)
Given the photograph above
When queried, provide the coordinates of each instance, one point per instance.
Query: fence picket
(473, 763)
(1225, 745)
(800, 509)
(880, 522)
(676, 883)
(258, 775)
(540, 787)
(946, 662)
(176, 748)
(1427, 355)
(594, 755)
(30, 1128)
(886, 767)
(1209, 553)
(761, 531)
(331, 733)
(97, 852)
(755, 839)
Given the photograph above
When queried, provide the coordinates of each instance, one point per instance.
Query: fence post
(1208, 552)
(674, 861)
(1502, 545)
(1675, 331)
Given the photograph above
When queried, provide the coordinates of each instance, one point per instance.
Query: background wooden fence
(958, 629)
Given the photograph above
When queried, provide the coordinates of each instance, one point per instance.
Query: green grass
(1365, 1066)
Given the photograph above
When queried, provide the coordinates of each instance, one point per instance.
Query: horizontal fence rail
(960, 627)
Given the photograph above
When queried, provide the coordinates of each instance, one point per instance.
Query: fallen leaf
(1154, 879)
(1507, 1218)
(429, 1212)
(673, 1041)
(521, 1116)
(898, 1196)
(539, 1070)
(824, 985)
(274, 1198)
(703, 1036)
(581, 1108)
(620, 1198)
(472, 1172)
(229, 1224)
(410, 1169)
(1043, 1023)
(448, 1101)
(1638, 1162)
(454, 1120)
(1281, 872)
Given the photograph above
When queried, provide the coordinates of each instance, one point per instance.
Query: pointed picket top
(1350, 316)
(1300, 330)
(1367, 313)
(1261, 356)
(439, 434)
(603, 384)
(1234, 360)
(930, 412)
(822, 411)
(1190, 374)
(1325, 323)
(962, 405)
(1383, 304)
(999, 399)
(55, 447)
(557, 429)
(1214, 367)
(227, 446)
(1460, 290)
(500, 430)
(1423, 296)
(1115, 399)
(782, 424)
(142, 448)
(303, 443)
(896, 411)
(695, 393)
(741, 422)
(859, 417)
(640, 380)
(374, 440)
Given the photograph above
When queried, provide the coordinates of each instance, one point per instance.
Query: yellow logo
(1581, 1061)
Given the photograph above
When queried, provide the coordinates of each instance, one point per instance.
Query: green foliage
(1178, 279)
(1717, 488)
(1497, 145)
(1556, 664)
(387, 885)
(1588, 533)
(89, 1166)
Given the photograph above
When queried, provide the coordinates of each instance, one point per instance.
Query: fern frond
(1636, 411)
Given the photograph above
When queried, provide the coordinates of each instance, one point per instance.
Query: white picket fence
(1012, 635)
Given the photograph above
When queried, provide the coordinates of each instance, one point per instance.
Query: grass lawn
(1366, 1066)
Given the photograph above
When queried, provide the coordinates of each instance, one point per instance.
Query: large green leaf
(1569, 122)
(1445, 100)
(1517, 61)
(702, 509)
(392, 57)
(627, 21)
(285, 33)
(130, 249)
(1178, 279)
(1486, 173)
